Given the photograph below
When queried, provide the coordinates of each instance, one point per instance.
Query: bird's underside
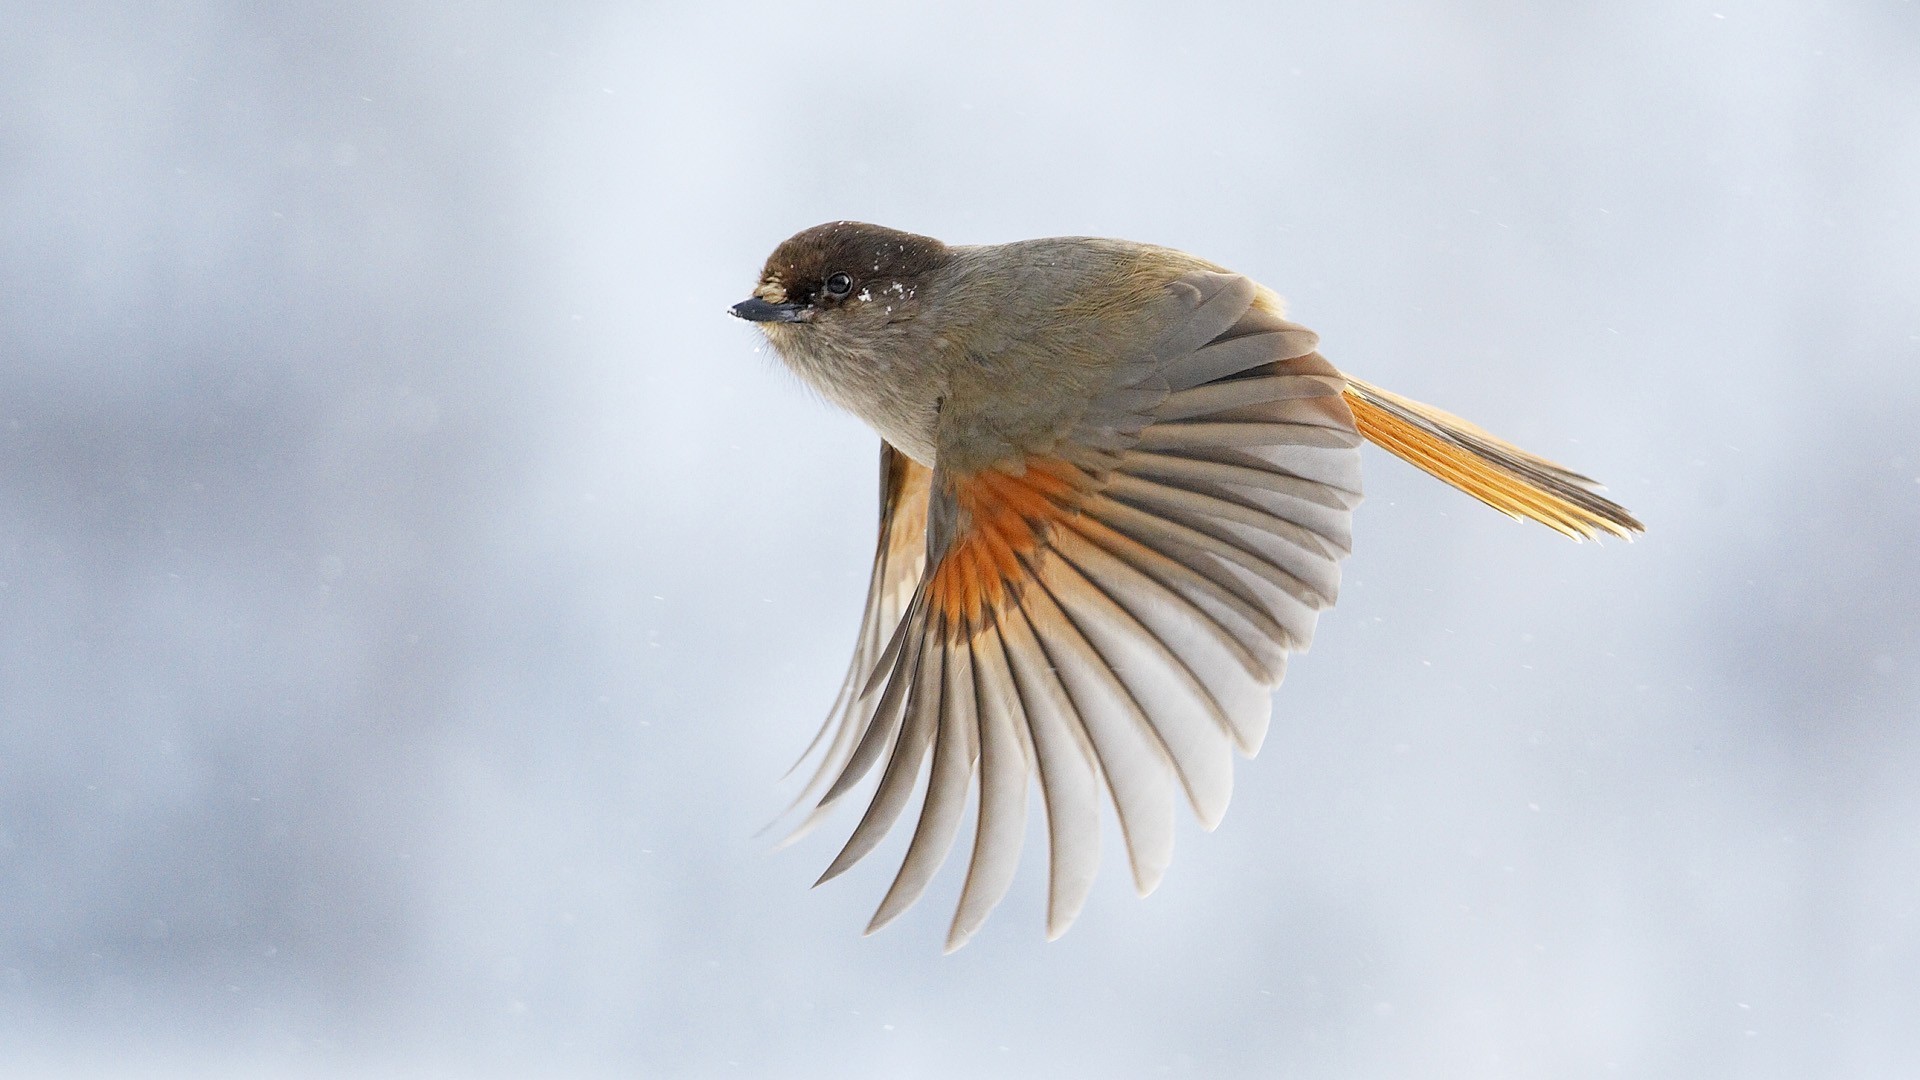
(1110, 618)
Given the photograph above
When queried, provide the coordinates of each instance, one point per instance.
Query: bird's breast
(896, 390)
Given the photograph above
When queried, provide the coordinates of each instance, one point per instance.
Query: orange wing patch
(903, 507)
(1004, 520)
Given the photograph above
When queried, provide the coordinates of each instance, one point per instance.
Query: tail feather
(1498, 473)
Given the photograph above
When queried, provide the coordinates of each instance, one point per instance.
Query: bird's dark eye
(839, 285)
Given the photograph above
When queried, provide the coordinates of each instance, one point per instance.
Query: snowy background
(412, 582)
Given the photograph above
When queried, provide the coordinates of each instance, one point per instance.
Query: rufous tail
(1498, 473)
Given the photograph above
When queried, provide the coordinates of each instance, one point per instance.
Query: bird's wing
(899, 557)
(1110, 617)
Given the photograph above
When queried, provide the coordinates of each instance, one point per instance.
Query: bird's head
(840, 286)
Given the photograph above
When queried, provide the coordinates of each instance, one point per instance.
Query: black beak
(755, 309)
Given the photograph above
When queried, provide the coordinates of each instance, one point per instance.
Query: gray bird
(1116, 485)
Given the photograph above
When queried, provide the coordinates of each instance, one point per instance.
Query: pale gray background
(412, 581)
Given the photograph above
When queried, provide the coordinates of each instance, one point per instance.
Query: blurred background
(412, 582)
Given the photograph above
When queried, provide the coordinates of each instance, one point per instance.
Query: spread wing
(1110, 619)
(899, 557)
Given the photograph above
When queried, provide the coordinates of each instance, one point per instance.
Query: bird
(1116, 487)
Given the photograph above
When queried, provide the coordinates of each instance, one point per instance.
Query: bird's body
(1012, 340)
(1116, 485)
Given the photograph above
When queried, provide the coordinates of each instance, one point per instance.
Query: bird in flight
(1116, 484)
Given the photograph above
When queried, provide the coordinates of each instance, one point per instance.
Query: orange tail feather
(1498, 473)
